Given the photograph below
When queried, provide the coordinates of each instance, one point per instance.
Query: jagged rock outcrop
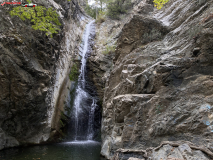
(160, 87)
(34, 71)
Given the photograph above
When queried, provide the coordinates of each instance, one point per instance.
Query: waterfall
(90, 131)
(84, 103)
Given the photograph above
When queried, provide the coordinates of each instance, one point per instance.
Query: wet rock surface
(30, 68)
(160, 85)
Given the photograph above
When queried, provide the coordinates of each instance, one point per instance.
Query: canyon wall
(157, 84)
(34, 74)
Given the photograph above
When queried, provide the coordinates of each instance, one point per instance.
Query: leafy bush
(42, 18)
(74, 73)
(101, 17)
(109, 49)
(117, 7)
(159, 3)
(90, 10)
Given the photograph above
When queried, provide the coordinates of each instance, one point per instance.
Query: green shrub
(101, 17)
(90, 10)
(117, 7)
(62, 124)
(159, 3)
(74, 73)
(158, 109)
(42, 18)
(109, 49)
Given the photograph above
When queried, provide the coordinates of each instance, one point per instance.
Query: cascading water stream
(84, 104)
(83, 130)
(91, 120)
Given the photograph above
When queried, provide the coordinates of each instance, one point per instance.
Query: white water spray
(82, 96)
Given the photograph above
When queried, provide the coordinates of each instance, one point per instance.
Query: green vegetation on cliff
(74, 73)
(116, 7)
(43, 19)
(110, 8)
(113, 8)
(159, 3)
(109, 49)
(90, 10)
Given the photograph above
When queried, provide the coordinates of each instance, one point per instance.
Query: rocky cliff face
(158, 83)
(34, 73)
(83, 2)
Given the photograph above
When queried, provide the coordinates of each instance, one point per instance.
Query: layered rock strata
(159, 85)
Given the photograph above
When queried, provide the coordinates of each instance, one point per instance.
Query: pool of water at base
(76, 150)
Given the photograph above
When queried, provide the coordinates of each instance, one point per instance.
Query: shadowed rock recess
(34, 74)
(157, 87)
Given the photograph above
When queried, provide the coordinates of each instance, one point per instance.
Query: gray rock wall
(83, 2)
(160, 85)
(34, 73)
